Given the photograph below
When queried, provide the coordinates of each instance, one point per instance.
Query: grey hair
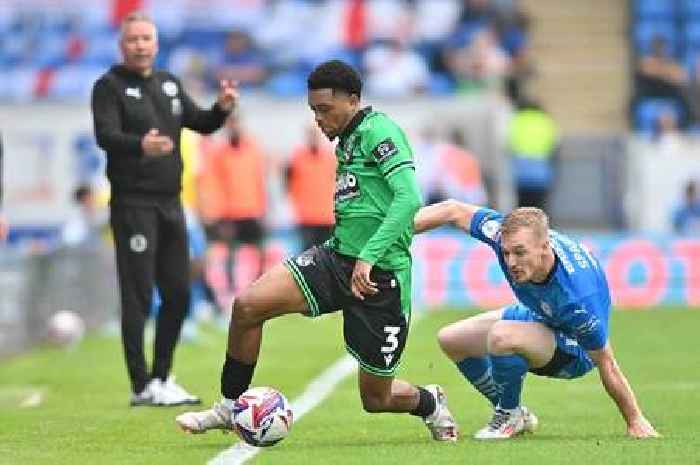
(137, 17)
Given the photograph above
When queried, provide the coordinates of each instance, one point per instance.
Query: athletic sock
(426, 403)
(235, 377)
(508, 373)
(479, 373)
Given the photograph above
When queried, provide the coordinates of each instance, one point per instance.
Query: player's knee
(448, 343)
(244, 311)
(501, 339)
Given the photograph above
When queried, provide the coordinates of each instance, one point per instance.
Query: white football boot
(531, 421)
(153, 395)
(163, 394)
(506, 424)
(441, 423)
(217, 417)
(178, 393)
(142, 398)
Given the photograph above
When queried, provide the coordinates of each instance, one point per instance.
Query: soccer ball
(65, 328)
(262, 416)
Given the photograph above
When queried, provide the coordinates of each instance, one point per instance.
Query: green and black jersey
(376, 195)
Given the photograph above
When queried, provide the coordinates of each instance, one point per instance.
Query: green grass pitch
(84, 418)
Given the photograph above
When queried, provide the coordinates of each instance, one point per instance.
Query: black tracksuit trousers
(151, 248)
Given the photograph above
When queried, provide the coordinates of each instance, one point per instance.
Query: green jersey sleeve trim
(396, 167)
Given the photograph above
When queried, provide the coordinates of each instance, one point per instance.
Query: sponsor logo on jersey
(490, 229)
(138, 243)
(134, 92)
(305, 259)
(349, 147)
(346, 187)
(170, 88)
(546, 309)
(385, 150)
(588, 327)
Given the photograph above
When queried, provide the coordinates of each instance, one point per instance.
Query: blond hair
(137, 17)
(526, 217)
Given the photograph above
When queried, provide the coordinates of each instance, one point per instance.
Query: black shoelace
(500, 417)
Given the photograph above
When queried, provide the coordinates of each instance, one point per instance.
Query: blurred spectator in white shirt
(394, 70)
(434, 20)
(388, 20)
(667, 135)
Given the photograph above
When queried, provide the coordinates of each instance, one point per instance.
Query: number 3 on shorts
(391, 339)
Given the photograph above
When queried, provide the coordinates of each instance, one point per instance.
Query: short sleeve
(385, 143)
(587, 322)
(486, 226)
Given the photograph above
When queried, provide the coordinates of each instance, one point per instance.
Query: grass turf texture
(84, 416)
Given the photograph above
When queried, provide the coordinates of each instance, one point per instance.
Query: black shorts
(375, 329)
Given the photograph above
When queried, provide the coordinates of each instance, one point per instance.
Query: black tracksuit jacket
(125, 106)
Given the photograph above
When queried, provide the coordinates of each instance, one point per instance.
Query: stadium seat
(645, 31)
(648, 111)
(101, 49)
(690, 8)
(655, 9)
(691, 61)
(287, 84)
(440, 84)
(204, 39)
(50, 50)
(74, 82)
(64, 39)
(691, 34)
(18, 84)
(463, 36)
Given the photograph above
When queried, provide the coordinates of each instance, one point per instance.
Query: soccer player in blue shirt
(558, 328)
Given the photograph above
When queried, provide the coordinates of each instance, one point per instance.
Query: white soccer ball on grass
(65, 329)
(262, 416)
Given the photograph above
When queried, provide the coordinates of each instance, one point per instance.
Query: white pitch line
(33, 400)
(316, 392)
(22, 396)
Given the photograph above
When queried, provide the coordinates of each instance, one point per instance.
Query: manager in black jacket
(138, 114)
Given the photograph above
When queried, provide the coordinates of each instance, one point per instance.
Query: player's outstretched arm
(619, 389)
(448, 212)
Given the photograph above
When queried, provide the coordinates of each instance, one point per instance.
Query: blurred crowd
(665, 104)
(55, 50)
(666, 45)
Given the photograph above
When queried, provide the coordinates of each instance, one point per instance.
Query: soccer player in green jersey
(364, 270)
